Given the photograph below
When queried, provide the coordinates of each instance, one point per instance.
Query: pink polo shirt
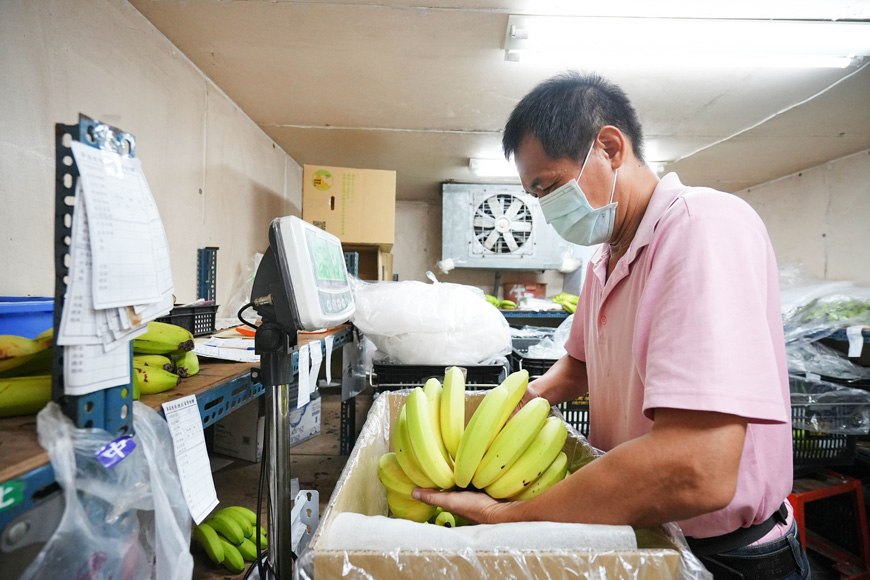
(690, 319)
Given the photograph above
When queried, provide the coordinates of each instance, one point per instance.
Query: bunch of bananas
(161, 358)
(568, 301)
(433, 447)
(25, 373)
(229, 537)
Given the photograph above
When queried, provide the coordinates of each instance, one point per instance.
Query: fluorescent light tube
(492, 168)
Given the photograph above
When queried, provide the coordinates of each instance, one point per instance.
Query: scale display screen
(327, 258)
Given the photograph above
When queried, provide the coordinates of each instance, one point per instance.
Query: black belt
(739, 538)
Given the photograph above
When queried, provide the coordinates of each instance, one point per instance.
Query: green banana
(187, 364)
(516, 385)
(264, 542)
(445, 519)
(233, 560)
(18, 350)
(507, 305)
(422, 435)
(433, 391)
(478, 434)
(408, 508)
(227, 527)
(516, 436)
(492, 299)
(38, 363)
(152, 380)
(551, 476)
(249, 514)
(248, 550)
(533, 461)
(405, 452)
(206, 537)
(163, 338)
(154, 360)
(24, 395)
(453, 409)
(244, 523)
(391, 475)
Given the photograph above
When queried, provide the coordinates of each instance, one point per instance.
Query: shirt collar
(667, 191)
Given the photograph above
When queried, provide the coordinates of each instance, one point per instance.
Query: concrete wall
(218, 180)
(820, 217)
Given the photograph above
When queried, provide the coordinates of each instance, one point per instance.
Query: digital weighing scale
(301, 284)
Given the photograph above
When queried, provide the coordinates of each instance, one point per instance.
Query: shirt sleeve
(703, 336)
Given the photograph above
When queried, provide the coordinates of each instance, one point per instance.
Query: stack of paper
(120, 275)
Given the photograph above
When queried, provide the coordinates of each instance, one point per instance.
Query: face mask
(568, 210)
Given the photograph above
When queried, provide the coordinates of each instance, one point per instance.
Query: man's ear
(615, 144)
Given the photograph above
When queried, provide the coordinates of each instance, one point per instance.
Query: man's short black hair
(566, 112)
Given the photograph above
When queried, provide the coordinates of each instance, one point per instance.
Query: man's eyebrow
(536, 182)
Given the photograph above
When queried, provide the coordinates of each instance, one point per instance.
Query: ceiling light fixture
(492, 168)
(589, 41)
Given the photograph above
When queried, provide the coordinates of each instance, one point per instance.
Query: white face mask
(568, 210)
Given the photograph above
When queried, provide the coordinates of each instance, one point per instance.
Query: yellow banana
(151, 380)
(445, 519)
(233, 560)
(516, 436)
(154, 360)
(163, 338)
(422, 435)
(533, 462)
(551, 476)
(243, 522)
(453, 409)
(227, 527)
(434, 392)
(408, 508)
(24, 395)
(17, 350)
(46, 337)
(187, 364)
(248, 550)
(515, 384)
(38, 363)
(405, 452)
(475, 441)
(391, 475)
(206, 537)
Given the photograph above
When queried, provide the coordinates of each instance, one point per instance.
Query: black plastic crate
(198, 320)
(576, 414)
(813, 450)
(520, 359)
(390, 377)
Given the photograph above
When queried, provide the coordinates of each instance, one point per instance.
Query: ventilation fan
(502, 224)
(498, 227)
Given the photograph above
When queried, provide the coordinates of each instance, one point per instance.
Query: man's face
(541, 175)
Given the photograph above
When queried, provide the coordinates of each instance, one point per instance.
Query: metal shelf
(534, 314)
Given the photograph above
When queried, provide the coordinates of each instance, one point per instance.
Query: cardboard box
(358, 490)
(374, 263)
(357, 205)
(518, 290)
(240, 434)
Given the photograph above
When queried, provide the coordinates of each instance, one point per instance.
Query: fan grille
(502, 224)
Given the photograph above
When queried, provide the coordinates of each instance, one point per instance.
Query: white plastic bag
(431, 324)
(129, 521)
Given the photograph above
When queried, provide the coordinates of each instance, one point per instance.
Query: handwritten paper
(191, 457)
(88, 368)
(316, 360)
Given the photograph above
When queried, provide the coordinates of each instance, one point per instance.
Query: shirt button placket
(602, 320)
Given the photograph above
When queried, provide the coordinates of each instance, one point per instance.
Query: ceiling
(422, 86)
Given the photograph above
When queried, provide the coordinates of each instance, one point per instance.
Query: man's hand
(472, 505)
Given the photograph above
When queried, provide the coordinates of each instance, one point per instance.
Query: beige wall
(821, 217)
(216, 177)
(418, 248)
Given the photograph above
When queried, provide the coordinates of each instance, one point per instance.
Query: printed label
(322, 179)
(116, 451)
(11, 494)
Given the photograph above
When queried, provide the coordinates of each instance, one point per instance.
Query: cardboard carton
(359, 491)
(356, 205)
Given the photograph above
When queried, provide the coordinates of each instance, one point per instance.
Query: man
(677, 339)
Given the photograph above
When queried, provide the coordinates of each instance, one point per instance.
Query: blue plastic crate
(25, 316)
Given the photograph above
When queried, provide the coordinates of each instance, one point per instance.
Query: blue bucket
(25, 317)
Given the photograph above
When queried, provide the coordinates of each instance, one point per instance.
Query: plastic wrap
(553, 348)
(662, 553)
(816, 308)
(128, 521)
(239, 296)
(431, 324)
(824, 407)
(807, 355)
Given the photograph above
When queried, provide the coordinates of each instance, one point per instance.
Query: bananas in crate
(230, 536)
(515, 458)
